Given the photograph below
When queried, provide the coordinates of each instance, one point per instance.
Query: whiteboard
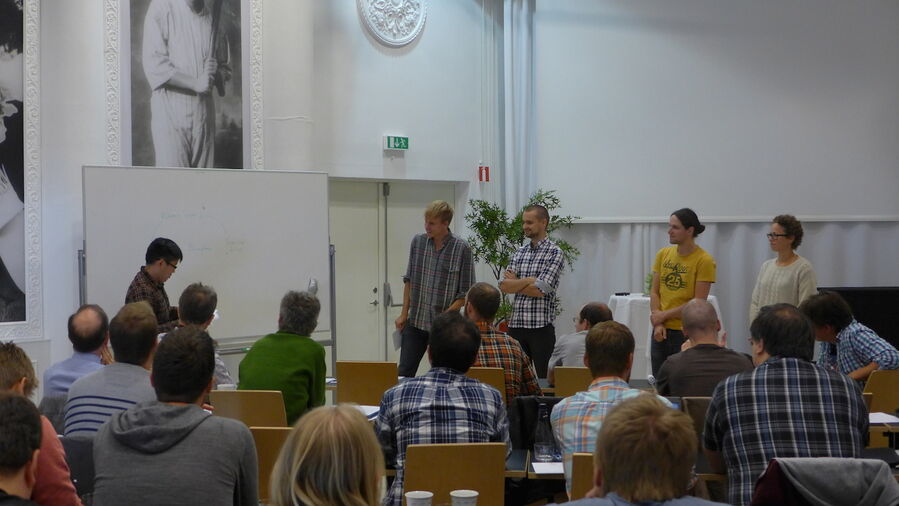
(251, 235)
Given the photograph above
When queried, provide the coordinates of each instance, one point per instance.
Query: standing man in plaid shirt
(533, 277)
(498, 349)
(163, 257)
(439, 274)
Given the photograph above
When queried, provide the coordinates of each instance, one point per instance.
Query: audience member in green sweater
(289, 360)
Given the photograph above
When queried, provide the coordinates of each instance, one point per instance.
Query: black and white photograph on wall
(12, 163)
(186, 83)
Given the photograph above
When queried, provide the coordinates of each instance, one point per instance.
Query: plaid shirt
(143, 287)
(786, 407)
(443, 406)
(500, 350)
(576, 420)
(544, 262)
(856, 347)
(437, 278)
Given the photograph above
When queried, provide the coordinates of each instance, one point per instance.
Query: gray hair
(299, 313)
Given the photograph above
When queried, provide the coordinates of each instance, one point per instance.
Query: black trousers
(538, 344)
(415, 342)
(659, 351)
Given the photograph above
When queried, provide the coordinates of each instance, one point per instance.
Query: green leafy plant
(496, 237)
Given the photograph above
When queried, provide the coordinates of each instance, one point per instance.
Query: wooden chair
(696, 407)
(255, 408)
(571, 380)
(884, 387)
(442, 468)
(364, 382)
(581, 475)
(868, 397)
(493, 376)
(269, 441)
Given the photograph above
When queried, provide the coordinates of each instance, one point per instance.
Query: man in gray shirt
(569, 349)
(172, 451)
(696, 371)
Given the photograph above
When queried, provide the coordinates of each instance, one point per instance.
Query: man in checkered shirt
(847, 345)
(533, 276)
(786, 407)
(440, 272)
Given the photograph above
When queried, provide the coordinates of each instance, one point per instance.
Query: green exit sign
(395, 142)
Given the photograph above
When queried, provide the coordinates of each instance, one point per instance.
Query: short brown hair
(542, 212)
(132, 333)
(441, 210)
(15, 365)
(792, 227)
(608, 346)
(485, 298)
(645, 450)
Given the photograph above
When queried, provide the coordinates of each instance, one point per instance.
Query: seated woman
(331, 457)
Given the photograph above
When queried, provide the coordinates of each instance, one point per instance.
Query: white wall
(734, 108)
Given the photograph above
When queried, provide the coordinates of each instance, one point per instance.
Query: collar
(607, 382)
(541, 243)
(484, 326)
(843, 333)
(86, 356)
(146, 275)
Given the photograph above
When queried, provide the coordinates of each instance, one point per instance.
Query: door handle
(388, 297)
(374, 302)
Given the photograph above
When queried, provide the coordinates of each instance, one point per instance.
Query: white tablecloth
(633, 310)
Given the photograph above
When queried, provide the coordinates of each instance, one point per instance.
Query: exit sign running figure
(394, 142)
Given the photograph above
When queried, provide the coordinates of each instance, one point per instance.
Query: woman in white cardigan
(788, 278)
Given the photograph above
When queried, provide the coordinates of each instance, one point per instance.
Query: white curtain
(520, 173)
(616, 258)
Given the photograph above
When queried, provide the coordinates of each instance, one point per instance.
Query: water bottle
(544, 441)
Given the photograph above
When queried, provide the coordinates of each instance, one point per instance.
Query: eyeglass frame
(170, 264)
(772, 235)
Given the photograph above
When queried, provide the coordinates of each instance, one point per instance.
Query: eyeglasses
(772, 235)
(170, 264)
(575, 319)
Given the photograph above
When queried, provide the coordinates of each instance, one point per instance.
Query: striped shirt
(96, 397)
(499, 350)
(786, 407)
(856, 347)
(542, 261)
(436, 277)
(576, 420)
(443, 406)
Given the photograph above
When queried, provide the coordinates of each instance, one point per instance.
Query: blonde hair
(441, 210)
(646, 450)
(330, 457)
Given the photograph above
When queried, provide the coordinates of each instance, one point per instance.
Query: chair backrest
(269, 441)
(80, 458)
(255, 408)
(581, 475)
(442, 468)
(884, 385)
(492, 376)
(364, 382)
(868, 397)
(571, 380)
(53, 407)
(696, 407)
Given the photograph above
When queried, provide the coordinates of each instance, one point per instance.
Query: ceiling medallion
(393, 22)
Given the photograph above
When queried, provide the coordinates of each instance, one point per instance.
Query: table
(633, 311)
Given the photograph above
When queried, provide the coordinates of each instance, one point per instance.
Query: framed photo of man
(185, 99)
(20, 253)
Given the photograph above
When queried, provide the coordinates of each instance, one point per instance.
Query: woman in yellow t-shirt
(680, 273)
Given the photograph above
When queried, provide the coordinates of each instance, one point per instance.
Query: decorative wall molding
(112, 68)
(394, 22)
(32, 327)
(257, 146)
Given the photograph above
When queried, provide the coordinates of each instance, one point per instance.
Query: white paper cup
(419, 498)
(226, 386)
(464, 497)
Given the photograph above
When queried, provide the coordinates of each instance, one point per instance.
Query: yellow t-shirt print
(678, 276)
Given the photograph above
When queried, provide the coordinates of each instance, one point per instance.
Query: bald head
(88, 328)
(700, 321)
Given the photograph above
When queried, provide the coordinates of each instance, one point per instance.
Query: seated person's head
(781, 330)
(196, 305)
(330, 457)
(88, 328)
(299, 313)
(183, 365)
(20, 440)
(453, 342)
(700, 321)
(132, 333)
(16, 371)
(484, 299)
(645, 451)
(609, 350)
(591, 314)
(829, 313)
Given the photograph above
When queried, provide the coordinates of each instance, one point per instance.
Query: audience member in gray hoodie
(171, 451)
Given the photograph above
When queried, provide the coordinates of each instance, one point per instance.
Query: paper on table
(369, 411)
(548, 467)
(882, 418)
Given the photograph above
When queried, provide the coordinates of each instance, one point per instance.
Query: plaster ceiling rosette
(393, 22)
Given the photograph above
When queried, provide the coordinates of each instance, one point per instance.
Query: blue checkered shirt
(443, 406)
(785, 407)
(436, 278)
(542, 261)
(856, 347)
